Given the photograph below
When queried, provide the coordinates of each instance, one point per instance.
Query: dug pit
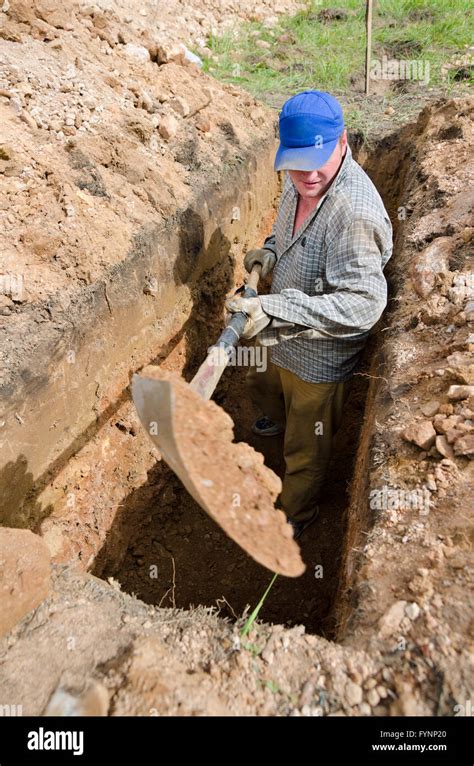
(173, 554)
(394, 578)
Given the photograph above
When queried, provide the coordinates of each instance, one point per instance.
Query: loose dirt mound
(410, 578)
(114, 163)
(97, 135)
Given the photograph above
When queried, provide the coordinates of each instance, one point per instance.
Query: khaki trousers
(311, 414)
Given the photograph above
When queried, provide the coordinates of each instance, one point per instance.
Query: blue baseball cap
(310, 125)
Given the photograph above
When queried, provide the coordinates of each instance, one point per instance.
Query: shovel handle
(230, 336)
(210, 371)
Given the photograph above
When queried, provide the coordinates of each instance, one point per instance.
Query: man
(330, 242)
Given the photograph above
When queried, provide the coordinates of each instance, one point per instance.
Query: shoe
(300, 526)
(266, 427)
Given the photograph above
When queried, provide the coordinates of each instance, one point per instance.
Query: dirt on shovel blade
(229, 480)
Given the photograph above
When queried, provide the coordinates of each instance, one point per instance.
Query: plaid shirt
(328, 286)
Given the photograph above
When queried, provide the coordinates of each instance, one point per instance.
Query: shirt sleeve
(357, 292)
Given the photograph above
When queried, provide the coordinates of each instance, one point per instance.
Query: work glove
(261, 255)
(257, 319)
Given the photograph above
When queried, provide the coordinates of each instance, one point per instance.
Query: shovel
(195, 437)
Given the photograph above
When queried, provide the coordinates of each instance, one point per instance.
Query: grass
(330, 55)
(253, 616)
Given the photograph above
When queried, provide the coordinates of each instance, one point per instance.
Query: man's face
(314, 183)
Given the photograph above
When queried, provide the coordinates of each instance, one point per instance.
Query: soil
(148, 595)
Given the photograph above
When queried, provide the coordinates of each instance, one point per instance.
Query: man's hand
(265, 257)
(257, 319)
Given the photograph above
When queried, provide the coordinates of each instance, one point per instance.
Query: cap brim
(303, 157)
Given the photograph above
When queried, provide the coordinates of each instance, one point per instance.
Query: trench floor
(177, 556)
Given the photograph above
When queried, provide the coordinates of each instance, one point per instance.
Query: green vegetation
(314, 49)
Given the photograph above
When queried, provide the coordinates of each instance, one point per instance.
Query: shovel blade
(228, 480)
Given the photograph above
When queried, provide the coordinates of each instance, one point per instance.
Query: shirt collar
(343, 170)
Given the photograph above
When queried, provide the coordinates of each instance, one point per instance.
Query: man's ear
(343, 140)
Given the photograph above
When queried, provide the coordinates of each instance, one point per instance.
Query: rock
(51, 12)
(21, 12)
(94, 701)
(180, 106)
(203, 123)
(353, 693)
(469, 311)
(306, 695)
(446, 409)
(373, 698)
(28, 119)
(455, 433)
(430, 408)
(263, 44)
(420, 433)
(421, 584)
(407, 703)
(446, 472)
(457, 294)
(6, 304)
(144, 101)
(412, 610)
(25, 581)
(164, 54)
(268, 655)
(53, 539)
(462, 367)
(192, 57)
(390, 621)
(455, 393)
(433, 260)
(136, 52)
(460, 319)
(168, 127)
(443, 447)
(443, 424)
(464, 445)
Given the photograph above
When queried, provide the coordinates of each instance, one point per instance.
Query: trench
(173, 554)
